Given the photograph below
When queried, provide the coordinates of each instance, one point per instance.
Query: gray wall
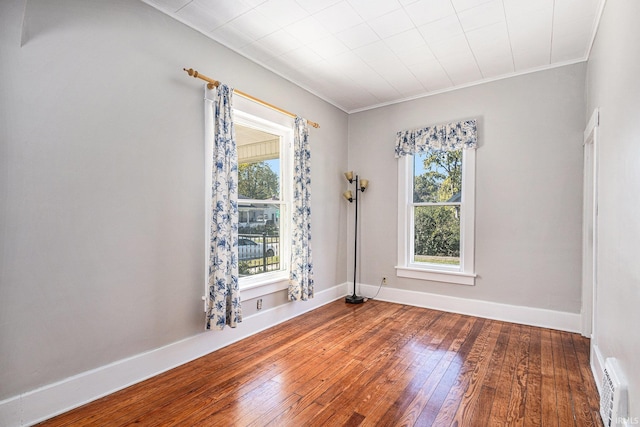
(102, 183)
(613, 87)
(528, 187)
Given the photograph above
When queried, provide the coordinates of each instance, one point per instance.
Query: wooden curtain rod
(215, 83)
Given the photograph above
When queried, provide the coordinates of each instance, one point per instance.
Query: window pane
(259, 181)
(258, 164)
(437, 235)
(259, 231)
(437, 176)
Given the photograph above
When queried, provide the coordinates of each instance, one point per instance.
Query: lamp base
(354, 299)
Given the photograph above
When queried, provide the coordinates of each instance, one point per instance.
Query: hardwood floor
(375, 364)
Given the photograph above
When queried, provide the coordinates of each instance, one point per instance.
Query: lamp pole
(355, 299)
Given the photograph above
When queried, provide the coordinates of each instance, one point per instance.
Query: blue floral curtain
(448, 137)
(301, 276)
(223, 301)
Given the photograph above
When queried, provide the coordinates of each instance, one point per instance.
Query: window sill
(254, 287)
(456, 277)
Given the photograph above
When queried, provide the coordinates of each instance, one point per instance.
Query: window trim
(465, 273)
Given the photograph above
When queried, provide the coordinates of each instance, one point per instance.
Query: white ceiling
(358, 54)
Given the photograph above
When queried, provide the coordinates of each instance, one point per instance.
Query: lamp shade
(364, 183)
(347, 195)
(349, 176)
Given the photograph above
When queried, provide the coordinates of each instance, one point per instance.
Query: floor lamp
(361, 185)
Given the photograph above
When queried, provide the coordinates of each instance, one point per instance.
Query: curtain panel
(301, 275)
(447, 137)
(223, 300)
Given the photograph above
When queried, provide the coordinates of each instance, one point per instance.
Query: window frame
(286, 190)
(464, 274)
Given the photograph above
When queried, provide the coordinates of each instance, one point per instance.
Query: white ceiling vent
(613, 395)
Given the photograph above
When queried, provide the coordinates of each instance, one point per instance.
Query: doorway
(590, 226)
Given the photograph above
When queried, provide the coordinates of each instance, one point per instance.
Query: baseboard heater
(613, 395)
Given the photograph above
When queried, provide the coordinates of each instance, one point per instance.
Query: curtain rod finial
(191, 72)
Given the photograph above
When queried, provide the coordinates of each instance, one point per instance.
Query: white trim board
(531, 316)
(45, 402)
(597, 365)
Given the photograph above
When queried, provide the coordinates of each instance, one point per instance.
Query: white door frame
(590, 226)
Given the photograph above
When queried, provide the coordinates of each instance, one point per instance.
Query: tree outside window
(437, 190)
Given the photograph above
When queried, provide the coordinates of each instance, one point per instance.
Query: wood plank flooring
(375, 364)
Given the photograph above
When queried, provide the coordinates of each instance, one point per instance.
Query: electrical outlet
(259, 304)
(384, 280)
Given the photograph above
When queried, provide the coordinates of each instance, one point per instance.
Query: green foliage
(437, 228)
(270, 229)
(257, 181)
(442, 178)
(244, 268)
(437, 231)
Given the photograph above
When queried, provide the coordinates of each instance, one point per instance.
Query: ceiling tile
(537, 22)
(278, 42)
(369, 9)
(461, 5)
(405, 41)
(366, 76)
(402, 80)
(357, 36)
(254, 24)
(492, 65)
(338, 17)
(492, 38)
(578, 23)
(257, 52)
(461, 68)
(431, 75)
(519, 8)
(349, 64)
(376, 54)
(569, 46)
(416, 55)
(353, 99)
(574, 9)
(384, 92)
(425, 11)
(302, 56)
(453, 46)
(392, 23)
(254, 3)
(313, 6)
(441, 29)
(282, 12)
(328, 47)
(530, 54)
(486, 14)
(307, 30)
(232, 37)
(202, 16)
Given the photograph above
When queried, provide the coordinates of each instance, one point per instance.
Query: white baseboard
(597, 365)
(45, 402)
(559, 320)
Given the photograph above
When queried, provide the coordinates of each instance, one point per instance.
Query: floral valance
(447, 137)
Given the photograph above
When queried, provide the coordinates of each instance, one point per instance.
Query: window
(264, 181)
(436, 216)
